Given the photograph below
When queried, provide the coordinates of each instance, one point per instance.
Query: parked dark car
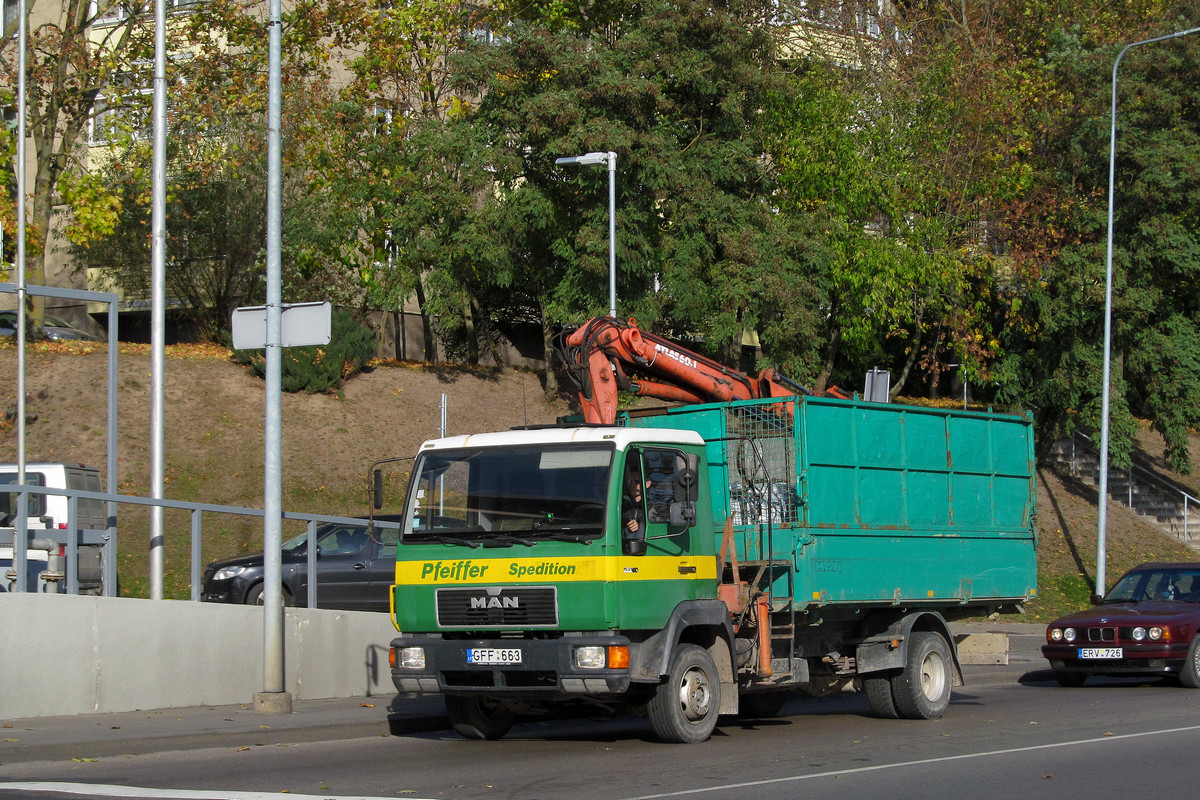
(56, 328)
(1146, 625)
(355, 570)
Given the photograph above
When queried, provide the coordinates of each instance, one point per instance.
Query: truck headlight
(410, 657)
(599, 657)
(591, 657)
(225, 573)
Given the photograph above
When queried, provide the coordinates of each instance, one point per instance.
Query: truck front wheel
(922, 689)
(478, 717)
(684, 708)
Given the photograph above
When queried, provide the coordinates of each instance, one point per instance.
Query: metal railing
(1185, 500)
(73, 536)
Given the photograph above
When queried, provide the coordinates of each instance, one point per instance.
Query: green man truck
(708, 558)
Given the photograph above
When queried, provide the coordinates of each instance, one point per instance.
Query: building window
(11, 9)
(123, 112)
(110, 12)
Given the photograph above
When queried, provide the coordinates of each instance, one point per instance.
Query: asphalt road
(1012, 732)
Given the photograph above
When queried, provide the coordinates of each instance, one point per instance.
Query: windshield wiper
(567, 535)
(422, 538)
(501, 537)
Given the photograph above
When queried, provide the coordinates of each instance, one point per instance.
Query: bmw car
(356, 569)
(1146, 625)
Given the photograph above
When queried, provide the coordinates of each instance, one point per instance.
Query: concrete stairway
(1154, 497)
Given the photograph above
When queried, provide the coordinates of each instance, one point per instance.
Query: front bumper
(229, 590)
(547, 668)
(1136, 659)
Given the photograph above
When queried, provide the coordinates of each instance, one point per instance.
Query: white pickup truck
(49, 513)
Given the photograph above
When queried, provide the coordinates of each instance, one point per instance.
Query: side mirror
(687, 478)
(634, 547)
(377, 488)
(1096, 598)
(683, 514)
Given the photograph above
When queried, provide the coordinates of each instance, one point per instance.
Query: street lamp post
(1102, 521)
(609, 158)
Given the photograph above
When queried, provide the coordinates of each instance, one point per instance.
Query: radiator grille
(498, 607)
(1100, 634)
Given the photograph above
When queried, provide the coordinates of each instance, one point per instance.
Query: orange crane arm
(601, 351)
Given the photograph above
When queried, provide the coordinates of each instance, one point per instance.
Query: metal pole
(273, 698)
(109, 580)
(158, 297)
(612, 234)
(609, 158)
(1102, 520)
(442, 478)
(21, 543)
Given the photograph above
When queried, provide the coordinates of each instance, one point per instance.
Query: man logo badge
(493, 601)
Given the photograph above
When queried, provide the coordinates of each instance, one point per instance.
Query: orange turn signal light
(618, 656)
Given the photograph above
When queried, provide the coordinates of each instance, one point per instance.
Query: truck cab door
(668, 570)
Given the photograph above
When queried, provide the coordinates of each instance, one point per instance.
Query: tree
(1156, 247)
(8, 189)
(75, 61)
(216, 224)
(908, 136)
(389, 162)
(217, 170)
(676, 89)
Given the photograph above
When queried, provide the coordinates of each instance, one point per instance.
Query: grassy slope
(213, 443)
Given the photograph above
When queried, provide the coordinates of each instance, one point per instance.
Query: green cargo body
(873, 504)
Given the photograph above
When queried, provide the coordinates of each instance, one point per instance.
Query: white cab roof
(621, 437)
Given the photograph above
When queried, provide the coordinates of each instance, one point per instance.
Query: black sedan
(355, 570)
(1146, 625)
(56, 329)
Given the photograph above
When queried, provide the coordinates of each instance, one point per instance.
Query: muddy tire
(761, 705)
(684, 708)
(878, 689)
(922, 689)
(478, 717)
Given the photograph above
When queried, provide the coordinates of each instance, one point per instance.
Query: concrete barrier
(64, 654)
(982, 648)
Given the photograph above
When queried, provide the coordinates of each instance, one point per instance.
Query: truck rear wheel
(684, 708)
(922, 689)
(478, 717)
(878, 689)
(761, 705)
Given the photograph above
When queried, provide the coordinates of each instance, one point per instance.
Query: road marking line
(833, 773)
(112, 790)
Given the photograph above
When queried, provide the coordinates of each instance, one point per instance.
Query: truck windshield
(505, 496)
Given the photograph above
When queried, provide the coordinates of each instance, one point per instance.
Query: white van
(49, 511)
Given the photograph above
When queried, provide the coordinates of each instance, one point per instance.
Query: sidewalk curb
(236, 727)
